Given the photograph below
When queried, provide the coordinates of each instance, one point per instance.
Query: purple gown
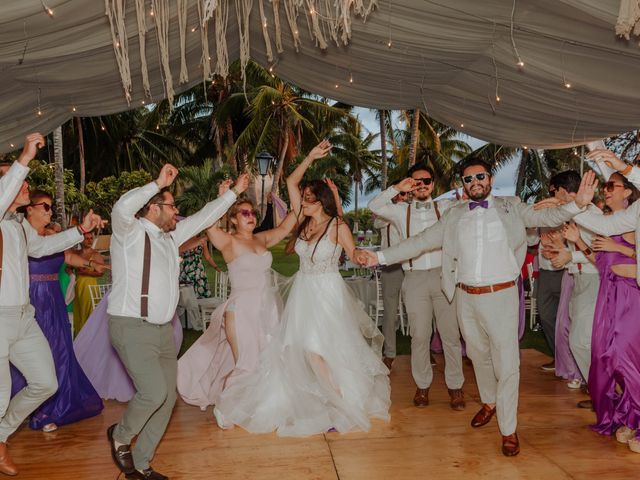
(76, 398)
(566, 366)
(100, 361)
(615, 346)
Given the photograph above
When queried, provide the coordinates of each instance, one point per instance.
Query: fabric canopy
(451, 58)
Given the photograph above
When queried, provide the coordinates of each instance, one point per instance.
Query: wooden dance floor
(430, 443)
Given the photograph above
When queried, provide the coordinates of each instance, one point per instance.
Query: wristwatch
(587, 251)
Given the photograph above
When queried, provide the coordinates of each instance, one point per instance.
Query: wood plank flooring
(430, 443)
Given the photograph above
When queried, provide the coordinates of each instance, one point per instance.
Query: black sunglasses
(426, 181)
(478, 176)
(44, 205)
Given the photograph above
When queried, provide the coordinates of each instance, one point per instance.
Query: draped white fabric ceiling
(441, 59)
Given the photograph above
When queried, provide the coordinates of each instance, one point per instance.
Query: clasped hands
(365, 258)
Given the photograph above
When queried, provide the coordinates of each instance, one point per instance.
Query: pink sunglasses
(247, 213)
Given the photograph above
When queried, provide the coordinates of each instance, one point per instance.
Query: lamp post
(264, 160)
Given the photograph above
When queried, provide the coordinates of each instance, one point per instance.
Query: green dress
(64, 279)
(192, 271)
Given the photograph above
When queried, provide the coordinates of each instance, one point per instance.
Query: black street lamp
(264, 160)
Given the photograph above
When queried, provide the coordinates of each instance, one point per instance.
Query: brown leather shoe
(388, 361)
(510, 445)
(457, 399)
(421, 398)
(6, 464)
(483, 416)
(121, 455)
(433, 359)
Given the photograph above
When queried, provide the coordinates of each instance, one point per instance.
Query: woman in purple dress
(76, 398)
(614, 377)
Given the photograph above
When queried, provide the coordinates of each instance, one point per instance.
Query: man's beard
(479, 195)
(421, 196)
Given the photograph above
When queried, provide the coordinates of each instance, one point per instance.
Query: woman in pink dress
(240, 328)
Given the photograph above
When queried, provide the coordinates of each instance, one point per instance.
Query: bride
(322, 370)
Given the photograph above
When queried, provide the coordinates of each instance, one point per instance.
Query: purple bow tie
(483, 204)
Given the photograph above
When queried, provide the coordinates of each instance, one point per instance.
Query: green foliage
(105, 193)
(365, 219)
(41, 177)
(201, 186)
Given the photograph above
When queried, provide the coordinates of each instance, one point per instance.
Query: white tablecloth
(188, 308)
(364, 289)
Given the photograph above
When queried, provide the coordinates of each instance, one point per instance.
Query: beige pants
(391, 279)
(423, 299)
(489, 324)
(582, 308)
(23, 344)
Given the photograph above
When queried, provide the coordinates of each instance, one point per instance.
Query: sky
(505, 177)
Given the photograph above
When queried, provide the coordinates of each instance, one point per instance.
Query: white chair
(220, 294)
(530, 299)
(376, 307)
(97, 292)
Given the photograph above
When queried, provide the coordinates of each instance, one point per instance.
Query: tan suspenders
(388, 238)
(436, 209)
(146, 270)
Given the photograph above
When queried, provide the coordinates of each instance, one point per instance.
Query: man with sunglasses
(422, 290)
(483, 242)
(21, 341)
(145, 268)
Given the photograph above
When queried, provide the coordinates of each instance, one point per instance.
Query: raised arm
(11, 181)
(429, 239)
(210, 213)
(345, 238)
(219, 238)
(620, 222)
(275, 235)
(293, 180)
(382, 205)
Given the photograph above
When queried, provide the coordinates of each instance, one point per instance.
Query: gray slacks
(148, 353)
(23, 344)
(391, 279)
(582, 308)
(423, 298)
(489, 324)
(548, 285)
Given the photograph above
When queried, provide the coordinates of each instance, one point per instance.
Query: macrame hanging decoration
(142, 36)
(162, 14)
(327, 21)
(115, 10)
(628, 19)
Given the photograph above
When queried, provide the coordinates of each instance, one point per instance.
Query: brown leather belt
(486, 289)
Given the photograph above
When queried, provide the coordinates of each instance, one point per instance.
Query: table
(188, 308)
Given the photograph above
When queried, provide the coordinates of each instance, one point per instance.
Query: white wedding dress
(322, 369)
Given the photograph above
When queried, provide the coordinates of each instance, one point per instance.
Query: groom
(145, 265)
(481, 258)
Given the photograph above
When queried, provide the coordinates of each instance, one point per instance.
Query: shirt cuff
(573, 208)
(634, 176)
(381, 259)
(578, 257)
(229, 196)
(19, 169)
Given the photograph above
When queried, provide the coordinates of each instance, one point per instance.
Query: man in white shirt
(483, 244)
(422, 291)
(585, 275)
(21, 341)
(145, 268)
(391, 278)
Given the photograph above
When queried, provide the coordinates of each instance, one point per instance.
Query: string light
(151, 12)
(350, 77)
(462, 125)
(47, 10)
(498, 98)
(12, 145)
(520, 63)
(525, 147)
(567, 85)
(102, 128)
(142, 102)
(337, 85)
(194, 29)
(73, 109)
(39, 107)
(158, 127)
(389, 44)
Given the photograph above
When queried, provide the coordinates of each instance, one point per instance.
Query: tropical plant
(200, 186)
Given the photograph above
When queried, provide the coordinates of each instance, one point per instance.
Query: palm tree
(58, 158)
(382, 116)
(200, 186)
(415, 129)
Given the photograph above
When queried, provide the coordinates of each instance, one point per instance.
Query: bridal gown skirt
(322, 369)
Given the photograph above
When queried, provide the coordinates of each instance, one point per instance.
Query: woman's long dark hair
(324, 195)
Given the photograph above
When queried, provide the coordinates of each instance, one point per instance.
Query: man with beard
(483, 244)
(421, 286)
(143, 300)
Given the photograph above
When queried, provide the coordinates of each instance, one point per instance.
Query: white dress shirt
(127, 254)
(421, 218)
(389, 234)
(487, 258)
(14, 289)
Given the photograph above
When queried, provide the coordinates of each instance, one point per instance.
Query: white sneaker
(624, 434)
(575, 384)
(220, 420)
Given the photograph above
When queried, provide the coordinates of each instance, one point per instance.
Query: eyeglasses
(45, 206)
(478, 176)
(426, 181)
(247, 213)
(611, 186)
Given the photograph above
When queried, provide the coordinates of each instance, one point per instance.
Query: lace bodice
(325, 259)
